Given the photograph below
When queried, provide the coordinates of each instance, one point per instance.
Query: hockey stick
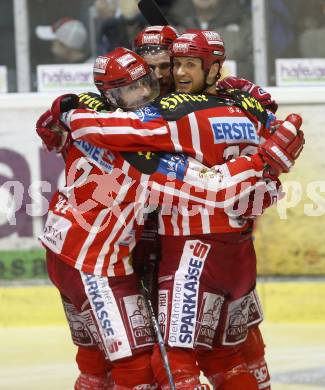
(152, 13)
(160, 339)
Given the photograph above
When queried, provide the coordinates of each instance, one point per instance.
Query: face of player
(135, 94)
(188, 74)
(160, 63)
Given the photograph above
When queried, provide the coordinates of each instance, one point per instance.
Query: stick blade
(152, 13)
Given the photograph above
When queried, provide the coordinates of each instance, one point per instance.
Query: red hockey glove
(64, 103)
(53, 135)
(49, 126)
(244, 85)
(283, 147)
(266, 194)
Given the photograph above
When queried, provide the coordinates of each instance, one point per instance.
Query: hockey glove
(49, 126)
(267, 193)
(63, 104)
(53, 135)
(283, 147)
(257, 92)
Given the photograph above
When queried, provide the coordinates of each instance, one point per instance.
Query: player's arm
(182, 180)
(53, 132)
(119, 130)
(236, 187)
(254, 90)
(236, 178)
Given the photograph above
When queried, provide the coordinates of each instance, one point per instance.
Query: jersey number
(234, 151)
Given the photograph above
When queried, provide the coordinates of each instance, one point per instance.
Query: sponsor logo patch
(173, 165)
(126, 59)
(55, 231)
(233, 130)
(208, 319)
(172, 101)
(147, 113)
(185, 294)
(255, 312)
(163, 297)
(114, 339)
(151, 39)
(139, 320)
(213, 38)
(101, 156)
(242, 313)
(180, 47)
(82, 327)
(101, 64)
(137, 72)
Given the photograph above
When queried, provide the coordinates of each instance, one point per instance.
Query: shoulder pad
(92, 100)
(246, 102)
(176, 105)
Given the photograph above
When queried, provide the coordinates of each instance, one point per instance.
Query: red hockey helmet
(154, 37)
(119, 72)
(205, 44)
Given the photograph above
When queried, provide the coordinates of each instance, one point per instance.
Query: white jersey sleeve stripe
(103, 115)
(205, 218)
(91, 236)
(185, 222)
(120, 223)
(195, 132)
(174, 220)
(174, 136)
(127, 229)
(118, 130)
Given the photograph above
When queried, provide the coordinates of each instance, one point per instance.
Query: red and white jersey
(211, 136)
(209, 132)
(95, 221)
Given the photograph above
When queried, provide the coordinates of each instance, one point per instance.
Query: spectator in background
(232, 19)
(121, 21)
(69, 40)
(312, 27)
(281, 27)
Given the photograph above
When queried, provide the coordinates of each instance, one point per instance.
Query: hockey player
(88, 242)
(197, 58)
(152, 44)
(95, 127)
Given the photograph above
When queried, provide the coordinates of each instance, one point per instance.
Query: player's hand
(53, 135)
(267, 193)
(284, 146)
(244, 85)
(63, 104)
